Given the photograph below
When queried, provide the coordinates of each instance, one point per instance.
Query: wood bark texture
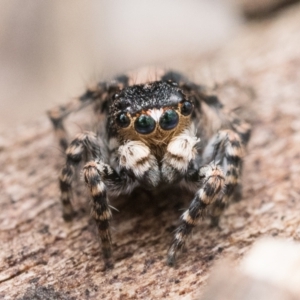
(42, 257)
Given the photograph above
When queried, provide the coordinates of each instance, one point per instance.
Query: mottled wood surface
(41, 257)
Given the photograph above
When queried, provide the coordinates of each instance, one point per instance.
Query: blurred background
(50, 50)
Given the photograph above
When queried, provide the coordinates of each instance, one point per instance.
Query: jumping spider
(159, 133)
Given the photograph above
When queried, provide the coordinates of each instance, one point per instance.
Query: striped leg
(136, 164)
(231, 152)
(100, 209)
(58, 114)
(84, 143)
(99, 177)
(213, 184)
(242, 128)
(97, 94)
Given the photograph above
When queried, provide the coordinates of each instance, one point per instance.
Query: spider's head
(152, 112)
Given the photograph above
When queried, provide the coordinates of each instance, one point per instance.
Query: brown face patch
(159, 138)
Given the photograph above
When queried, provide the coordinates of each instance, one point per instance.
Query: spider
(159, 133)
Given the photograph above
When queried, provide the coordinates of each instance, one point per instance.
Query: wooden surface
(41, 257)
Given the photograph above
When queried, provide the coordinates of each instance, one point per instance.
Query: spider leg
(98, 176)
(59, 113)
(174, 76)
(78, 149)
(96, 173)
(241, 127)
(96, 94)
(226, 151)
(213, 184)
(136, 165)
(229, 149)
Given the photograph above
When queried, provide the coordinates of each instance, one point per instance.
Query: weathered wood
(41, 257)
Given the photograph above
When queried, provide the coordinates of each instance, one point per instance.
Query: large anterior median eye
(144, 124)
(169, 119)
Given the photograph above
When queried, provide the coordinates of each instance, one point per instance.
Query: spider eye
(144, 124)
(123, 120)
(186, 108)
(169, 119)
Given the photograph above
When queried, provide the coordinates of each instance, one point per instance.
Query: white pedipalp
(181, 150)
(136, 156)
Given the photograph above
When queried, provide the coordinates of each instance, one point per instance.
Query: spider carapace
(157, 133)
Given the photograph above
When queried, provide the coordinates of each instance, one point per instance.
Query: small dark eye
(123, 120)
(169, 119)
(144, 124)
(186, 108)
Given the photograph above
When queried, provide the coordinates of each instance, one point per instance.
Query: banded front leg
(96, 173)
(213, 185)
(137, 164)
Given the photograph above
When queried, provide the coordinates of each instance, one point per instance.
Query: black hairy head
(134, 100)
(141, 97)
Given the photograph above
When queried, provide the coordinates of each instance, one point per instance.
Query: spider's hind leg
(174, 76)
(58, 114)
(95, 94)
(230, 150)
